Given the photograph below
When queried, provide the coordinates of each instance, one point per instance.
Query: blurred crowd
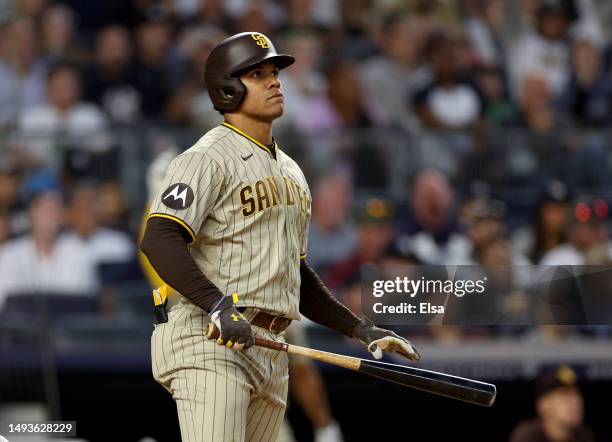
(491, 114)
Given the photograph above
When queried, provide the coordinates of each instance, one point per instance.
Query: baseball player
(228, 234)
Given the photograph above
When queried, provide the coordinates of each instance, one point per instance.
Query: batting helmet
(229, 58)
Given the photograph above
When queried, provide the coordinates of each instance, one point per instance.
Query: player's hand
(378, 340)
(235, 331)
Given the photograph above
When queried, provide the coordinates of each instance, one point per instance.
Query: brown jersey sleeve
(165, 245)
(318, 304)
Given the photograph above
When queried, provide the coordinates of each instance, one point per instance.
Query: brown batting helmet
(233, 55)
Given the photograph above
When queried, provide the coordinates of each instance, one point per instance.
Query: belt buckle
(271, 326)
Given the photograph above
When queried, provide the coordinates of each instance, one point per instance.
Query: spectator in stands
(588, 97)
(256, 15)
(545, 50)
(109, 79)
(448, 100)
(307, 107)
(549, 223)
(431, 233)
(350, 108)
(486, 222)
(499, 109)
(30, 8)
(560, 409)
(507, 276)
(212, 13)
(351, 113)
(43, 262)
(311, 13)
(59, 39)
(394, 75)
(22, 70)
(10, 205)
(550, 135)
(350, 292)
(507, 272)
(487, 225)
(484, 26)
(65, 121)
(435, 14)
(154, 73)
(547, 135)
(585, 232)
(538, 113)
(9, 185)
(331, 237)
(113, 209)
(98, 244)
(374, 218)
(355, 42)
(5, 226)
(190, 104)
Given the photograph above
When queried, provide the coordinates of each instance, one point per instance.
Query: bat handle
(212, 332)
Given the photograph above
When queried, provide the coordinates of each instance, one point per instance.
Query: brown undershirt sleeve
(319, 305)
(165, 245)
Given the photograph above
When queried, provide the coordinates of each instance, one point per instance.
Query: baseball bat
(455, 387)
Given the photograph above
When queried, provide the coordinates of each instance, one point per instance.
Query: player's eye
(256, 74)
(276, 73)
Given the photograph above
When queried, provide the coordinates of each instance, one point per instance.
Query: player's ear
(227, 94)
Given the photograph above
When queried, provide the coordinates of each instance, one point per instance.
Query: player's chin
(275, 110)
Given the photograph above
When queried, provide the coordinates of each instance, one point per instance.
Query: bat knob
(212, 332)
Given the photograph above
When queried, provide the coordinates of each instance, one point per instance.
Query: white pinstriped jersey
(247, 214)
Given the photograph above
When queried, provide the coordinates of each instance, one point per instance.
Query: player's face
(264, 99)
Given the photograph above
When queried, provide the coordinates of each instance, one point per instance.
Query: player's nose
(275, 82)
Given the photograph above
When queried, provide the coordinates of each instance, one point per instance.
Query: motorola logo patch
(178, 196)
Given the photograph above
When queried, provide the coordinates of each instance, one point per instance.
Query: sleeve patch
(178, 196)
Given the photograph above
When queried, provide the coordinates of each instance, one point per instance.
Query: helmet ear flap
(229, 93)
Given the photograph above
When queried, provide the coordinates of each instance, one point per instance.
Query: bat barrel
(468, 390)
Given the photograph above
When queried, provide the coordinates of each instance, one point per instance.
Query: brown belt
(275, 324)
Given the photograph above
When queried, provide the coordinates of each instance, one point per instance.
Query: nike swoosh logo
(246, 157)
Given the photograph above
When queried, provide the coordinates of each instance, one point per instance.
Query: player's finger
(240, 343)
(408, 351)
(405, 348)
(249, 342)
(223, 339)
(415, 355)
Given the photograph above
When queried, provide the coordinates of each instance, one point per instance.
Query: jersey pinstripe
(247, 214)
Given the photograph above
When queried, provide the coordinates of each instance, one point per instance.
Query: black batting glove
(235, 331)
(379, 340)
